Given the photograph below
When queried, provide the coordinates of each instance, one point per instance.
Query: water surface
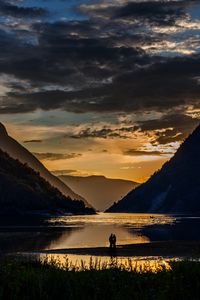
(28, 236)
(94, 230)
(80, 231)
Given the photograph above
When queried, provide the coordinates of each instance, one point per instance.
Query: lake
(94, 230)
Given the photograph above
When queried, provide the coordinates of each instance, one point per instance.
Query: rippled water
(81, 231)
(94, 230)
(136, 220)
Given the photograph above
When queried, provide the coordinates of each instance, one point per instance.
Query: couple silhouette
(112, 241)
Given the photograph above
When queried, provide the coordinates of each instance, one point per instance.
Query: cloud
(96, 69)
(104, 151)
(7, 8)
(150, 12)
(156, 12)
(93, 133)
(104, 133)
(136, 152)
(161, 86)
(170, 127)
(56, 156)
(32, 141)
(103, 63)
(64, 172)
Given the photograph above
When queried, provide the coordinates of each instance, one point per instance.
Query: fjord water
(94, 230)
(78, 231)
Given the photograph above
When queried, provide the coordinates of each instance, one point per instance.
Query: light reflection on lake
(97, 236)
(136, 220)
(94, 230)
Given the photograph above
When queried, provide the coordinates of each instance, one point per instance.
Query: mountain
(173, 189)
(17, 151)
(100, 191)
(22, 190)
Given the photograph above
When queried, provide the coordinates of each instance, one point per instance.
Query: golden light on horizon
(108, 157)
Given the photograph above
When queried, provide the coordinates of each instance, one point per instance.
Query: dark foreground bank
(37, 280)
(164, 249)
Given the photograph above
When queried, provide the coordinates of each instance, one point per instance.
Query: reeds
(49, 279)
(98, 264)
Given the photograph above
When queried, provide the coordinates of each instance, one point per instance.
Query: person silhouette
(111, 240)
(114, 240)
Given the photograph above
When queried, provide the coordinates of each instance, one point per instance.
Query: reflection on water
(136, 220)
(93, 231)
(96, 236)
(26, 240)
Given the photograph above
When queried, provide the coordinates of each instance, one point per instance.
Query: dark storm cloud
(9, 9)
(159, 13)
(156, 12)
(137, 81)
(158, 87)
(177, 127)
(60, 58)
(98, 65)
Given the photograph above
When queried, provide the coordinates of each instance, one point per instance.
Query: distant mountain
(173, 189)
(22, 190)
(100, 191)
(17, 151)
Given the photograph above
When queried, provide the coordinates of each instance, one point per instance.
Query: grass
(27, 280)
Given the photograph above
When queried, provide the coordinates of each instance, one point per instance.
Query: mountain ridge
(100, 191)
(23, 191)
(17, 151)
(175, 188)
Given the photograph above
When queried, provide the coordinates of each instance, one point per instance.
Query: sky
(100, 87)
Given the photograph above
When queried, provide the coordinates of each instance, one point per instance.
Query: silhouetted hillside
(100, 191)
(173, 189)
(23, 190)
(17, 151)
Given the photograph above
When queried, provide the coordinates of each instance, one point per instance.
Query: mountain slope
(100, 191)
(22, 190)
(17, 151)
(173, 189)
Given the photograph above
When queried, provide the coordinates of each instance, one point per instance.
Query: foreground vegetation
(26, 280)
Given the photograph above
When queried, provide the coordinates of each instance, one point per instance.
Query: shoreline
(164, 249)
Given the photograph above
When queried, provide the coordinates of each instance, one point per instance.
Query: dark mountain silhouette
(100, 191)
(22, 190)
(17, 151)
(173, 189)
